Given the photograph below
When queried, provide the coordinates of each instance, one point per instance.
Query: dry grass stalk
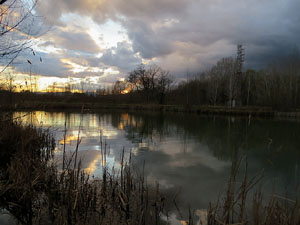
(236, 209)
(34, 191)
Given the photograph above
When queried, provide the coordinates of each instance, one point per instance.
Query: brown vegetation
(237, 208)
(35, 191)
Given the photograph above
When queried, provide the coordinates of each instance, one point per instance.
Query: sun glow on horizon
(126, 91)
(18, 82)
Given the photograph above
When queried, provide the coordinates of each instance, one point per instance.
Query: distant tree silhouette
(152, 81)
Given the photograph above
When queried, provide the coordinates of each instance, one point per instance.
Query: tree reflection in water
(185, 152)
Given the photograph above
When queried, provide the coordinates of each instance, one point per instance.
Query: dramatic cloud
(157, 28)
(90, 37)
(60, 64)
(74, 40)
(146, 42)
(41, 63)
(111, 9)
(121, 57)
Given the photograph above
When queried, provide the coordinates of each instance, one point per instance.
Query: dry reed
(35, 191)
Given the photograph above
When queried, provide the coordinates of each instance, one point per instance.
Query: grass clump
(25, 153)
(245, 204)
(35, 191)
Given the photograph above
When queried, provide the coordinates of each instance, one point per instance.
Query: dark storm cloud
(78, 41)
(207, 31)
(150, 9)
(121, 57)
(145, 41)
(190, 34)
(52, 10)
(107, 9)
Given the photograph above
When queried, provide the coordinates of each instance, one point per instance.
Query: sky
(97, 42)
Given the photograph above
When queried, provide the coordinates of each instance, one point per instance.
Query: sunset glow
(126, 91)
(91, 168)
(106, 40)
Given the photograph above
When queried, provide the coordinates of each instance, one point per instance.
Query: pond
(185, 153)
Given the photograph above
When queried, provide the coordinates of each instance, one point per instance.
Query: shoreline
(263, 112)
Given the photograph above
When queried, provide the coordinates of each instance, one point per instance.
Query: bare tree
(292, 70)
(69, 86)
(137, 77)
(82, 86)
(216, 74)
(239, 62)
(10, 82)
(164, 82)
(101, 91)
(222, 74)
(150, 81)
(16, 30)
(248, 84)
(229, 73)
(54, 87)
(119, 87)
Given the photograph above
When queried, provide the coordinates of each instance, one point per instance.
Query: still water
(184, 153)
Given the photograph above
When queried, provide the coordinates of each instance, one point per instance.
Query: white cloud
(179, 35)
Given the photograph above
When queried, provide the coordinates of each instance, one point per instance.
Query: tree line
(151, 82)
(225, 83)
(276, 86)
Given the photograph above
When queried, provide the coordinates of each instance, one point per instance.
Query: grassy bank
(133, 102)
(266, 112)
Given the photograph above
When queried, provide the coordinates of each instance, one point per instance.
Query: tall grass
(25, 153)
(240, 207)
(35, 191)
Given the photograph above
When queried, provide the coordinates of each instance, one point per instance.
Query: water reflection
(187, 152)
